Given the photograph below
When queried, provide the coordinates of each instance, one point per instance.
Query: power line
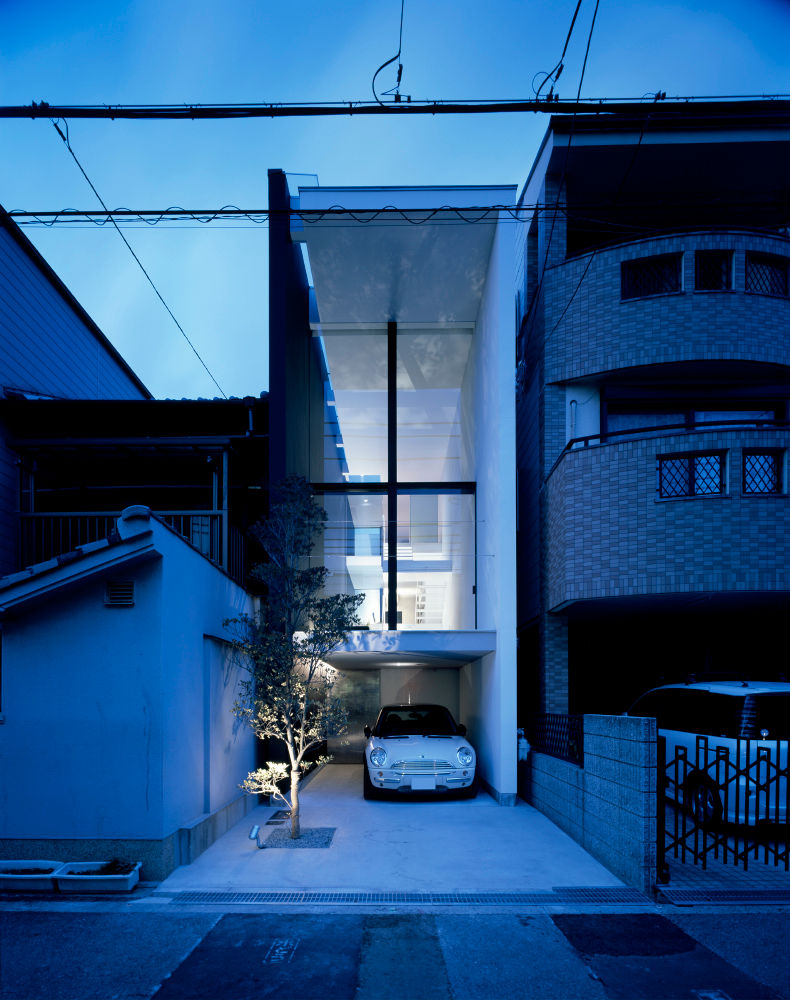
(715, 106)
(383, 215)
(111, 219)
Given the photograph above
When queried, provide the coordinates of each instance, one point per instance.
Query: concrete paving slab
(439, 846)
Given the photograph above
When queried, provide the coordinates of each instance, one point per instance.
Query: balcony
(46, 536)
(615, 529)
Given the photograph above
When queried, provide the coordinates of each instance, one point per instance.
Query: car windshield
(415, 720)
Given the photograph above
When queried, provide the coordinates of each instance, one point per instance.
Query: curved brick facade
(609, 534)
(600, 333)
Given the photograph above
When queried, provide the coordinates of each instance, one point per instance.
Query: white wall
(437, 686)
(80, 748)
(197, 686)
(490, 435)
(117, 721)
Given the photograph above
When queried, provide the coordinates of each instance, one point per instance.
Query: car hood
(411, 747)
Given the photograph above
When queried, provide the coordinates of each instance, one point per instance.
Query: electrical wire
(387, 63)
(560, 183)
(131, 251)
(718, 105)
(444, 215)
(555, 73)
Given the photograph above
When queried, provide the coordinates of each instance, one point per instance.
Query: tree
(287, 693)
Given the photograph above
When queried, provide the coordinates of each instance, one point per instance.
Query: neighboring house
(391, 390)
(117, 688)
(653, 393)
(49, 349)
(202, 465)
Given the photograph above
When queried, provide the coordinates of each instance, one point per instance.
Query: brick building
(653, 385)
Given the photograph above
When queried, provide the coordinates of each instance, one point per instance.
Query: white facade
(117, 735)
(408, 436)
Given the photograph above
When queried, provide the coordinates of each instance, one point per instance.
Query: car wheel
(369, 791)
(703, 802)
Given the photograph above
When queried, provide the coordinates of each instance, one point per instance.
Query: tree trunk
(295, 828)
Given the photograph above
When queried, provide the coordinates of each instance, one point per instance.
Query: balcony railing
(45, 536)
(685, 427)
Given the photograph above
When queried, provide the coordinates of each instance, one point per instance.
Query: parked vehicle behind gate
(726, 747)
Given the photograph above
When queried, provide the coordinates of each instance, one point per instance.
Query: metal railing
(557, 735)
(45, 536)
(661, 430)
(724, 800)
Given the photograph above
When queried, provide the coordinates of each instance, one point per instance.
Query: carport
(402, 846)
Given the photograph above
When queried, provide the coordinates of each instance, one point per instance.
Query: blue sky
(214, 277)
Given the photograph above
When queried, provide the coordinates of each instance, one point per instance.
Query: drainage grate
(616, 896)
(603, 894)
(690, 896)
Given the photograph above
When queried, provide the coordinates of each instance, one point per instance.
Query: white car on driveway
(417, 749)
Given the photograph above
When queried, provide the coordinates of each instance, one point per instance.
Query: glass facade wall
(431, 370)
(410, 540)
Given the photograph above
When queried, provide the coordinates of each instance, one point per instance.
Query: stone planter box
(13, 877)
(80, 876)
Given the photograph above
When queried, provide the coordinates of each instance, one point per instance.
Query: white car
(726, 747)
(417, 749)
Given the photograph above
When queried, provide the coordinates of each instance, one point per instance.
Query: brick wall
(610, 535)
(610, 805)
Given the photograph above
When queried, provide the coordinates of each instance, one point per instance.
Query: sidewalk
(396, 846)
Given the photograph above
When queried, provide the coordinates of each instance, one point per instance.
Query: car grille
(423, 766)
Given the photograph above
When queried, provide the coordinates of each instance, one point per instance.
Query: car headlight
(378, 756)
(465, 756)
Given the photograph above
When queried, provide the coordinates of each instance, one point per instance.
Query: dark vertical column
(392, 474)
(279, 247)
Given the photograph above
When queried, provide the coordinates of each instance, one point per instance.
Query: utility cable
(555, 73)
(561, 181)
(131, 251)
(387, 63)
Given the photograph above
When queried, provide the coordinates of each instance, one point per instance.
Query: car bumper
(407, 783)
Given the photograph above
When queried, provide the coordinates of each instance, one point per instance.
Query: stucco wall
(491, 380)
(117, 723)
(81, 744)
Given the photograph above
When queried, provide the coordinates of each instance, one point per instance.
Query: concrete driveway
(398, 846)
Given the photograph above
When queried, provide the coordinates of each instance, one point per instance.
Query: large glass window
(432, 395)
(350, 389)
(436, 564)
(354, 550)
(434, 544)
(396, 409)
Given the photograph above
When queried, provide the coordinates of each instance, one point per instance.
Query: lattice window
(766, 274)
(691, 475)
(659, 275)
(762, 472)
(713, 270)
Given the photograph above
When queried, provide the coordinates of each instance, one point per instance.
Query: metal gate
(726, 800)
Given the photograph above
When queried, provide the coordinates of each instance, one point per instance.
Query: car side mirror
(367, 732)
(462, 730)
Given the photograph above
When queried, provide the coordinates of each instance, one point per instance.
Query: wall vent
(119, 594)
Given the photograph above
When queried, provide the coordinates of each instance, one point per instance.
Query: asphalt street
(120, 955)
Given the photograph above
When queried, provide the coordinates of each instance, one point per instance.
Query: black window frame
(636, 274)
(777, 454)
(705, 262)
(691, 474)
(770, 260)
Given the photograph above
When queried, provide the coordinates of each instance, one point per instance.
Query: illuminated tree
(287, 693)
